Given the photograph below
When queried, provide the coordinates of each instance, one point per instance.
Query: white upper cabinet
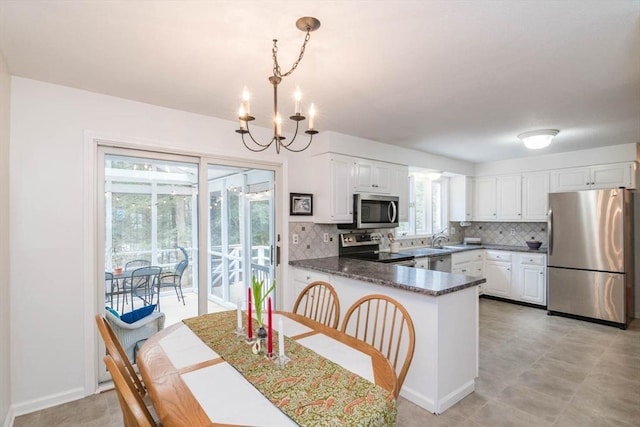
(400, 188)
(601, 176)
(338, 177)
(535, 196)
(497, 198)
(372, 177)
(484, 199)
(334, 194)
(509, 197)
(461, 198)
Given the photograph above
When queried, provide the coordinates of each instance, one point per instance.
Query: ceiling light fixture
(307, 24)
(537, 139)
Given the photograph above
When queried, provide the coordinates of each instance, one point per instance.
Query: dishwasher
(440, 263)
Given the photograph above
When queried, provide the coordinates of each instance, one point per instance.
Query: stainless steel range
(366, 246)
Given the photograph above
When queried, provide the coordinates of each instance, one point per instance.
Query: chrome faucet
(438, 238)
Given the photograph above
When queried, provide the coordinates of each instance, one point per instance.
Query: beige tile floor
(535, 370)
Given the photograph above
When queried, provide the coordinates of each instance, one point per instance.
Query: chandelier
(307, 24)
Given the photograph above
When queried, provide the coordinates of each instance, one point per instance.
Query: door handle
(550, 230)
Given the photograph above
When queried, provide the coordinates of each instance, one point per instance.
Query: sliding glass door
(241, 224)
(152, 221)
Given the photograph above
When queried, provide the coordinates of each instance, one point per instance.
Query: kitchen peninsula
(444, 309)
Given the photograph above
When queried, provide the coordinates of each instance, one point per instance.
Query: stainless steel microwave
(373, 211)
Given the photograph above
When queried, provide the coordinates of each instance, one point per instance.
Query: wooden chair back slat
(385, 324)
(134, 412)
(320, 304)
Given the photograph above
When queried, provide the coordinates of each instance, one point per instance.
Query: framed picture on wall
(300, 204)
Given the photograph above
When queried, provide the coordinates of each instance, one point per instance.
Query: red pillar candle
(270, 330)
(249, 317)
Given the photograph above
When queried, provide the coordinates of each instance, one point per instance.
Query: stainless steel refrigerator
(590, 264)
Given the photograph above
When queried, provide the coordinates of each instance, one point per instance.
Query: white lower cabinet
(469, 263)
(477, 269)
(301, 278)
(519, 276)
(530, 279)
(498, 275)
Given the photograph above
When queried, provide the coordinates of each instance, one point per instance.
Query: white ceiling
(455, 78)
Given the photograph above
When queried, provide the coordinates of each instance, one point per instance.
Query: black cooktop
(381, 256)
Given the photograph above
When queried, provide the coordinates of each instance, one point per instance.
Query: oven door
(375, 211)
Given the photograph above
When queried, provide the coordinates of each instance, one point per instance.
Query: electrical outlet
(295, 239)
(513, 231)
(325, 237)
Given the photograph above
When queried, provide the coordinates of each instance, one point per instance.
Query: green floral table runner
(311, 390)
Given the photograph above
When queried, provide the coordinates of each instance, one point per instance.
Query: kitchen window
(427, 206)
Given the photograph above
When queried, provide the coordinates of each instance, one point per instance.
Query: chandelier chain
(276, 66)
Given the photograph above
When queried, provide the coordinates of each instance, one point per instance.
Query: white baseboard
(441, 405)
(418, 398)
(48, 401)
(456, 396)
(8, 421)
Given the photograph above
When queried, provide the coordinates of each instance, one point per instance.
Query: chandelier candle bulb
(312, 116)
(241, 114)
(245, 101)
(297, 96)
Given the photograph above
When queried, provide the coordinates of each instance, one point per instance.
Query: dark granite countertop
(461, 247)
(411, 279)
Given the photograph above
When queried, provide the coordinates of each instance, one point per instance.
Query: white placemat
(291, 327)
(345, 356)
(226, 397)
(184, 348)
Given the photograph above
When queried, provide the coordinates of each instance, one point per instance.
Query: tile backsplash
(507, 233)
(311, 242)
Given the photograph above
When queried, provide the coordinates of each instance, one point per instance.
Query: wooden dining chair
(384, 323)
(134, 411)
(117, 352)
(320, 304)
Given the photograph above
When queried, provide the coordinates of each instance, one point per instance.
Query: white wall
(52, 229)
(49, 235)
(5, 367)
(595, 156)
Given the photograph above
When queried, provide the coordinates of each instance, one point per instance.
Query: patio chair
(108, 288)
(173, 280)
(129, 334)
(140, 283)
(132, 265)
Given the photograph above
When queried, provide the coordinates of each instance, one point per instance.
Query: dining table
(204, 371)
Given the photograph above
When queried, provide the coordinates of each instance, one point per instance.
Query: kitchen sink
(422, 252)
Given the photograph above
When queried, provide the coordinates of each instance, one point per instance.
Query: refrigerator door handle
(550, 230)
